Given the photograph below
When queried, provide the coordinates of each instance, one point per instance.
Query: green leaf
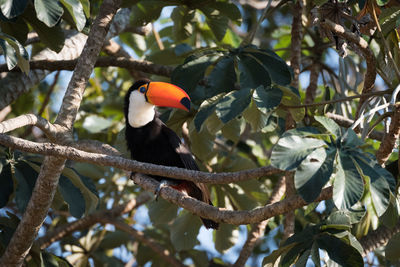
(182, 17)
(229, 10)
(162, 212)
(267, 99)
(222, 78)
(17, 29)
(314, 172)
(217, 22)
(188, 75)
(73, 196)
(233, 104)
(86, 7)
(233, 129)
(52, 37)
(6, 183)
(315, 254)
(351, 139)
(392, 248)
(290, 98)
(340, 252)
(277, 68)
(270, 260)
(205, 110)
(12, 8)
(26, 177)
(382, 2)
(48, 11)
(202, 143)
(226, 236)
(91, 199)
(290, 151)
(75, 8)
(330, 125)
(348, 186)
(257, 119)
(388, 19)
(378, 186)
(14, 52)
(146, 11)
(252, 73)
(184, 231)
(114, 239)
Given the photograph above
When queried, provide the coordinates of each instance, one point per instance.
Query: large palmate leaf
(75, 8)
(233, 104)
(26, 177)
(277, 68)
(48, 11)
(330, 125)
(146, 11)
(378, 185)
(267, 99)
(291, 150)
(217, 22)
(6, 183)
(18, 29)
(14, 53)
(222, 78)
(314, 172)
(182, 18)
(72, 196)
(52, 37)
(184, 231)
(252, 73)
(188, 75)
(12, 8)
(348, 186)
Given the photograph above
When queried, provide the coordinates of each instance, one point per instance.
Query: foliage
(244, 107)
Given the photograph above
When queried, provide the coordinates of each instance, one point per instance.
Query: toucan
(150, 140)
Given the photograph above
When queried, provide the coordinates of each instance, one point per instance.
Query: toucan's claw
(131, 176)
(163, 183)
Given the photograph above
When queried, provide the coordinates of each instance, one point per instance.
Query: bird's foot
(131, 176)
(163, 183)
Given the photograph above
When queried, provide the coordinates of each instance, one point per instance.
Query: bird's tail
(210, 223)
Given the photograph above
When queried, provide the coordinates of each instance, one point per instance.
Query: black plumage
(156, 143)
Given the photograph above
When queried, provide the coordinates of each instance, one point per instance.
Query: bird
(150, 140)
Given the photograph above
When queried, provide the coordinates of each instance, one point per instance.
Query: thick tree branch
(295, 45)
(132, 165)
(47, 182)
(86, 222)
(85, 64)
(35, 213)
(121, 62)
(378, 238)
(221, 214)
(32, 120)
(148, 241)
(257, 230)
(389, 140)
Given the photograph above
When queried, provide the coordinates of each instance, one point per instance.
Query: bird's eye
(142, 89)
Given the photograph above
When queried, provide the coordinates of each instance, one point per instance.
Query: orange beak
(167, 95)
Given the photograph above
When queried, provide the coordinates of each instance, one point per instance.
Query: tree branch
(47, 182)
(221, 214)
(389, 140)
(51, 149)
(86, 222)
(378, 238)
(32, 120)
(121, 62)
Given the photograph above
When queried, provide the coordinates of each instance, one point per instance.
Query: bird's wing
(187, 159)
(180, 148)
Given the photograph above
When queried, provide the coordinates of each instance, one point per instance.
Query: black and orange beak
(167, 95)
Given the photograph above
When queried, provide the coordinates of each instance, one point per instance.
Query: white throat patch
(140, 112)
